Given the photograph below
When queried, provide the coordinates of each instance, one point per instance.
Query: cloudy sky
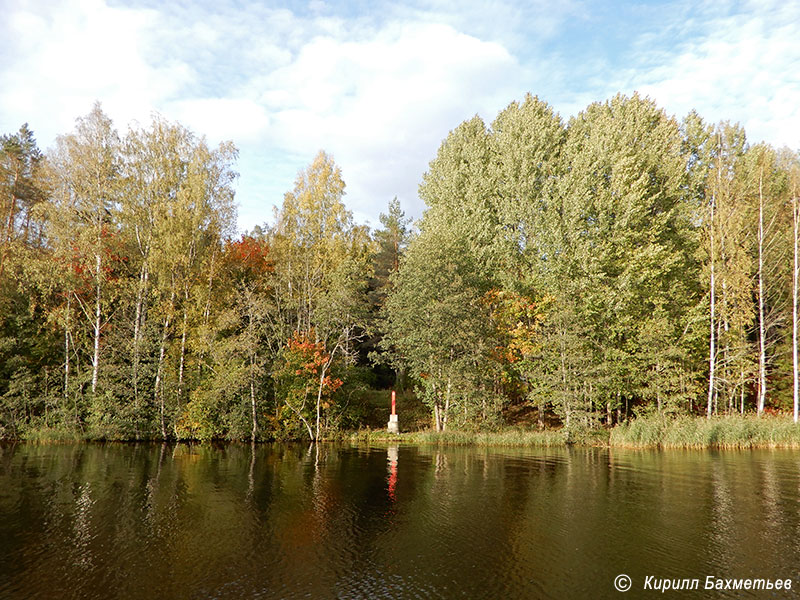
(379, 84)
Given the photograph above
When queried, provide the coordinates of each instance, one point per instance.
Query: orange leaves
(304, 360)
(310, 355)
(331, 383)
(81, 260)
(516, 319)
(248, 257)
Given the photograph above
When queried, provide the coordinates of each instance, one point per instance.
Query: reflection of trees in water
(292, 519)
(82, 537)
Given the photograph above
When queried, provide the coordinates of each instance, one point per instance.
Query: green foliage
(391, 241)
(619, 263)
(629, 245)
(200, 420)
(591, 223)
(437, 323)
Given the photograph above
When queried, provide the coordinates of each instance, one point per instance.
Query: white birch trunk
(319, 399)
(324, 370)
(183, 354)
(446, 405)
(137, 329)
(97, 315)
(253, 402)
(762, 354)
(66, 352)
(158, 383)
(712, 358)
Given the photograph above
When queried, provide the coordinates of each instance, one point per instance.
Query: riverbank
(511, 437)
(722, 432)
(653, 431)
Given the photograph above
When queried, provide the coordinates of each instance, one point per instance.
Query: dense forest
(579, 272)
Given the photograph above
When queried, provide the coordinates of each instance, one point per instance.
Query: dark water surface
(151, 521)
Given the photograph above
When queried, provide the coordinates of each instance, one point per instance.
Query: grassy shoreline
(722, 432)
(650, 432)
(645, 432)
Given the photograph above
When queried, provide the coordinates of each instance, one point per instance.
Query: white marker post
(393, 427)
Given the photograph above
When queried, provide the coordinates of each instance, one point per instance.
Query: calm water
(149, 521)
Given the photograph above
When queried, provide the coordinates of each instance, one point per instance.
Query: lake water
(161, 522)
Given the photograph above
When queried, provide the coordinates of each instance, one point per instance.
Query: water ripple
(340, 522)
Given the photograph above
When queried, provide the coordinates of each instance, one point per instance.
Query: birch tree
(193, 214)
(155, 164)
(86, 171)
(794, 200)
(765, 183)
(322, 268)
(730, 268)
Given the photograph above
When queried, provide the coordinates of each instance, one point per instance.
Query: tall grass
(508, 437)
(653, 431)
(53, 435)
(732, 432)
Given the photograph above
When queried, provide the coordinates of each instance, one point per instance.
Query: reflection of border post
(393, 426)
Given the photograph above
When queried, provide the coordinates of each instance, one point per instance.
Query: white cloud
(220, 119)
(381, 89)
(382, 105)
(66, 56)
(378, 91)
(744, 67)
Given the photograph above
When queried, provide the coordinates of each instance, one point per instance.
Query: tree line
(619, 262)
(586, 271)
(132, 310)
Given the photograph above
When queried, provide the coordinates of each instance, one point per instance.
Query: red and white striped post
(393, 426)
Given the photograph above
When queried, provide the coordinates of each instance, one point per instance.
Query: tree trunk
(182, 359)
(207, 311)
(9, 222)
(319, 398)
(446, 405)
(712, 358)
(97, 316)
(183, 344)
(158, 391)
(741, 391)
(762, 354)
(66, 353)
(324, 370)
(137, 332)
(161, 351)
(308, 428)
(722, 375)
(253, 401)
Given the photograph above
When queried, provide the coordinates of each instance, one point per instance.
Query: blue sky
(379, 84)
